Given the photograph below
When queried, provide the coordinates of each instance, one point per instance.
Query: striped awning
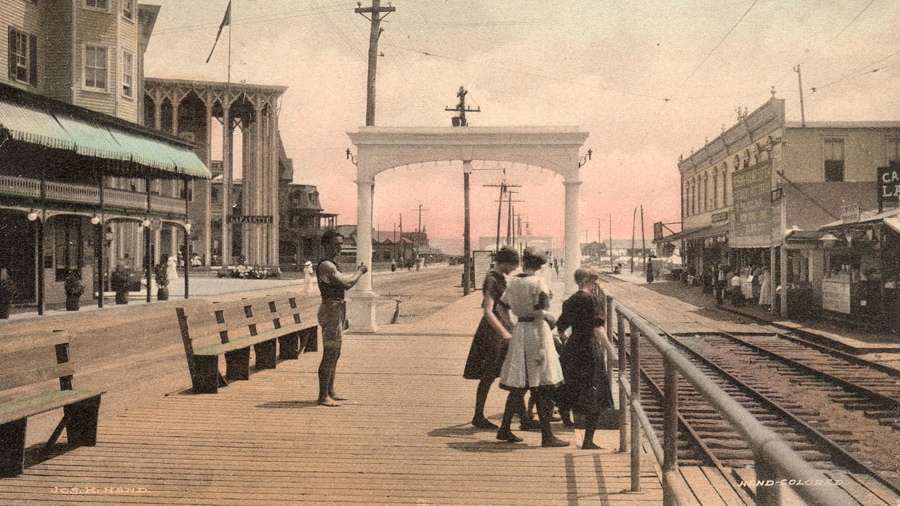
(65, 130)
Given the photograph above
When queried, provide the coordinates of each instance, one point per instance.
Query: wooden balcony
(72, 193)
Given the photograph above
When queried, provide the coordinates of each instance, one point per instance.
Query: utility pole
(419, 209)
(611, 267)
(633, 219)
(509, 202)
(375, 14)
(800, 83)
(460, 121)
(467, 171)
(504, 187)
(643, 240)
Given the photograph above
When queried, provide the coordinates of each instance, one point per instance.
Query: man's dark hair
(532, 260)
(507, 256)
(330, 235)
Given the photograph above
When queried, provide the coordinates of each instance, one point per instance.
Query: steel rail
(776, 462)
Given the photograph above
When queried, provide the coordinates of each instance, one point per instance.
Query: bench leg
(237, 364)
(12, 447)
(81, 421)
(289, 346)
(310, 339)
(206, 375)
(266, 354)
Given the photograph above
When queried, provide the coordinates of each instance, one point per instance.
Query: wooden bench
(26, 363)
(272, 327)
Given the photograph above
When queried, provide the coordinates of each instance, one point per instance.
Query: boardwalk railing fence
(775, 463)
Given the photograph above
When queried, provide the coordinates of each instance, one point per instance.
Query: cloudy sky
(649, 80)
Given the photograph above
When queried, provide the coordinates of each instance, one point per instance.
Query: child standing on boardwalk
(492, 336)
(587, 386)
(531, 362)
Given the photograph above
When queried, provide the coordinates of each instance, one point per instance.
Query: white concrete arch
(384, 148)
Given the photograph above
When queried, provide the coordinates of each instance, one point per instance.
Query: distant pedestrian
(308, 275)
(556, 267)
(586, 389)
(492, 337)
(393, 265)
(532, 362)
(332, 314)
(720, 284)
(737, 296)
(765, 289)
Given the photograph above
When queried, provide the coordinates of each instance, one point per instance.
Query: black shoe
(589, 445)
(508, 436)
(484, 423)
(553, 442)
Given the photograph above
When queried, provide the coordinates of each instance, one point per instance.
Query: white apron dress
(172, 270)
(531, 360)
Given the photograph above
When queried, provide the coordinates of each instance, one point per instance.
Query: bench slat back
(27, 360)
(281, 312)
(217, 323)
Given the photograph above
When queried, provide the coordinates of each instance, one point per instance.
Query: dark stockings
(515, 402)
(590, 423)
(484, 386)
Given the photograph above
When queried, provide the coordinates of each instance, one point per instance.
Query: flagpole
(230, 26)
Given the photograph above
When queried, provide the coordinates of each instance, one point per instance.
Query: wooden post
(100, 244)
(148, 262)
(187, 238)
(623, 399)
(467, 243)
(635, 398)
(40, 245)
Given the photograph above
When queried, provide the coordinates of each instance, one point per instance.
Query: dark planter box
(73, 303)
(162, 293)
(122, 297)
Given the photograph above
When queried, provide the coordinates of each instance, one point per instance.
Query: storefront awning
(38, 120)
(892, 215)
(894, 223)
(697, 233)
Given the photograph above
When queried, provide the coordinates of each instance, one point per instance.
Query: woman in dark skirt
(586, 389)
(492, 337)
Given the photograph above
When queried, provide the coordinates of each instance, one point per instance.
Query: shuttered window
(128, 74)
(128, 9)
(22, 57)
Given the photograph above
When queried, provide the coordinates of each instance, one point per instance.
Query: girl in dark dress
(586, 389)
(492, 337)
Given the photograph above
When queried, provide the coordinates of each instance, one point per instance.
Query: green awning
(91, 140)
(144, 151)
(33, 126)
(64, 129)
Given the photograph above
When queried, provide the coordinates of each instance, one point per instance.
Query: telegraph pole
(611, 268)
(504, 187)
(460, 121)
(633, 219)
(419, 209)
(375, 14)
(643, 240)
(800, 83)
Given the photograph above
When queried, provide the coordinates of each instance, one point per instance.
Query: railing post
(670, 432)
(623, 399)
(635, 339)
(768, 491)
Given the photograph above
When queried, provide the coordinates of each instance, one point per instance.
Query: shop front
(862, 270)
(702, 249)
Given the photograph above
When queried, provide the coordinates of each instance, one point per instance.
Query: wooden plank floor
(404, 438)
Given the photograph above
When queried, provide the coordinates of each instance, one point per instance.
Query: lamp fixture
(187, 227)
(95, 220)
(146, 223)
(32, 215)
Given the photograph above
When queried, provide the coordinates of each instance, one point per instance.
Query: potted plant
(162, 282)
(8, 292)
(74, 288)
(119, 280)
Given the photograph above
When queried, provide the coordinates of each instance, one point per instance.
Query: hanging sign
(251, 219)
(888, 186)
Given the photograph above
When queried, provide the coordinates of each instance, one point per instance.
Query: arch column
(227, 136)
(207, 223)
(572, 248)
(361, 309)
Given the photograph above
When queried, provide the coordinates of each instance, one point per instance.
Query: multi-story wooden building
(77, 169)
(757, 194)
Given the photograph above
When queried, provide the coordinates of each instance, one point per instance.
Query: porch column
(227, 134)
(258, 150)
(173, 244)
(361, 310)
(572, 249)
(272, 182)
(207, 219)
(175, 106)
(248, 230)
(157, 112)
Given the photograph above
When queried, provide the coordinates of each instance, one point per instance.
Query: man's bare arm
(328, 271)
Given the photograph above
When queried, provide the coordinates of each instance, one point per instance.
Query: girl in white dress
(172, 269)
(531, 362)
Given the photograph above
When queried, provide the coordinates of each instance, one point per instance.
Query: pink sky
(647, 80)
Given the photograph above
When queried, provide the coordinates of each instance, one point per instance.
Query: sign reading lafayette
(251, 219)
(752, 207)
(888, 186)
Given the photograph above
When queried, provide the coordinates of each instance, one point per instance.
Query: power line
(250, 20)
(722, 40)
(859, 71)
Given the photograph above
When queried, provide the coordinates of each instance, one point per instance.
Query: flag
(226, 21)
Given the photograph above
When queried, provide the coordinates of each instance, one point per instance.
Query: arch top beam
(555, 148)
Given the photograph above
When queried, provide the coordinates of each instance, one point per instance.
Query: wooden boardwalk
(404, 438)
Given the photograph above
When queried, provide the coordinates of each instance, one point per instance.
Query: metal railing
(776, 464)
(88, 195)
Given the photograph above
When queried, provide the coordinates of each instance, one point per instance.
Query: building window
(128, 9)
(893, 150)
(96, 67)
(128, 74)
(214, 195)
(716, 189)
(834, 160)
(97, 5)
(22, 57)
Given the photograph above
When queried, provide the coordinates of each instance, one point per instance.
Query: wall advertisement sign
(836, 295)
(751, 220)
(888, 186)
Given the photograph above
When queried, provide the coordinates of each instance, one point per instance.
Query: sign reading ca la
(889, 184)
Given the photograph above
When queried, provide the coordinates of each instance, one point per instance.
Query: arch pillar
(361, 310)
(572, 248)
